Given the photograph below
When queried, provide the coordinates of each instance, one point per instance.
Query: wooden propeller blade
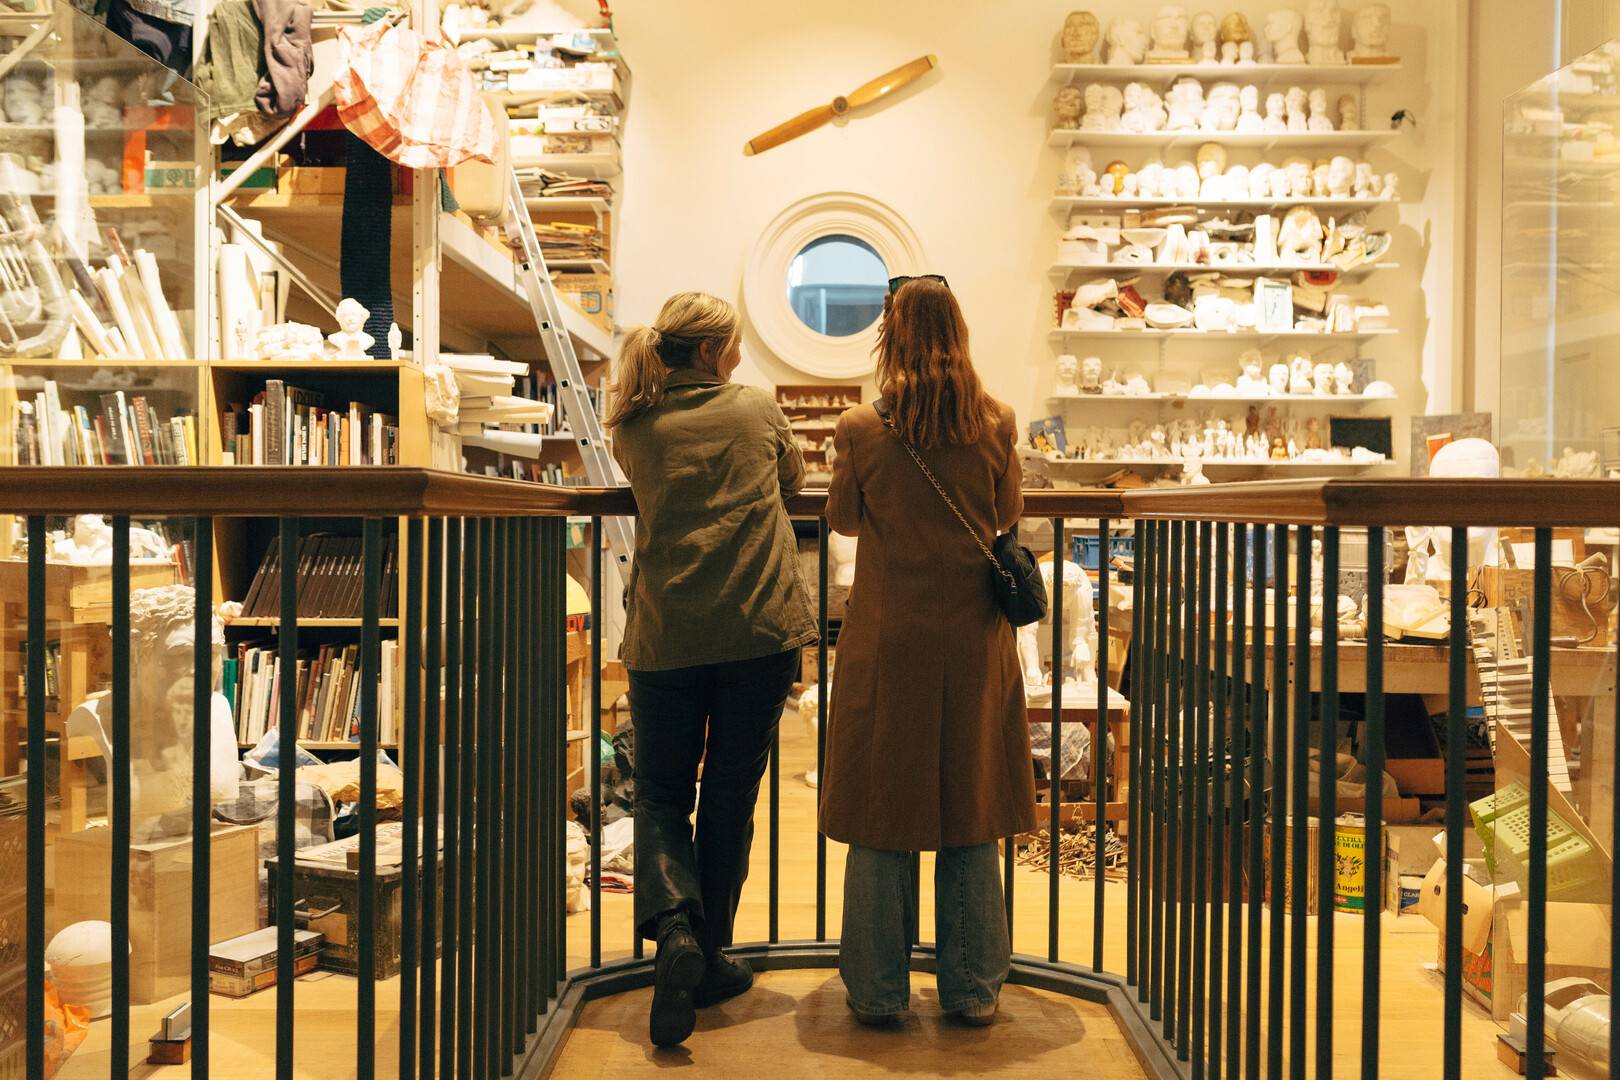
(802, 124)
(894, 80)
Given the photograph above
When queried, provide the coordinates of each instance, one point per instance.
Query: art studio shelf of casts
(1224, 211)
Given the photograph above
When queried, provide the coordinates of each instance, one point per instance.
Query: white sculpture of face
(1091, 371)
(1127, 42)
(1322, 377)
(1296, 99)
(1341, 173)
(1111, 102)
(1343, 376)
(1068, 369)
(1251, 366)
(1278, 376)
(1318, 100)
(1080, 32)
(1371, 29)
(1203, 28)
(1322, 21)
(1249, 96)
(1170, 28)
(1274, 106)
(351, 316)
(1282, 27)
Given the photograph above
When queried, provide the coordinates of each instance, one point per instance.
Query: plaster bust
(351, 342)
(1300, 238)
(1169, 33)
(1295, 100)
(1370, 32)
(1322, 24)
(1067, 106)
(1278, 378)
(1091, 375)
(1206, 49)
(1237, 40)
(1282, 34)
(1319, 119)
(1349, 113)
(1127, 43)
(1341, 174)
(1249, 119)
(1275, 122)
(1080, 33)
(1103, 105)
(1068, 376)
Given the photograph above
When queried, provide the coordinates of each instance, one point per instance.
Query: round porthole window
(836, 284)
(815, 282)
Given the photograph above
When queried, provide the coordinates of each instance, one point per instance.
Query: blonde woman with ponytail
(715, 618)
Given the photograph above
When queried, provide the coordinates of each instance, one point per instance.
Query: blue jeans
(970, 923)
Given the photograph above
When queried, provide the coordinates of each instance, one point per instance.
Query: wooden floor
(794, 1024)
(801, 1015)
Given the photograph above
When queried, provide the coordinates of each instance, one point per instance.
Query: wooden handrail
(275, 491)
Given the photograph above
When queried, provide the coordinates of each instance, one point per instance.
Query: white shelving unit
(1115, 411)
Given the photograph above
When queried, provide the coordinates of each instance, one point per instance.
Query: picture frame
(1274, 301)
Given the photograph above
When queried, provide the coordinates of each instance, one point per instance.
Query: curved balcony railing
(1221, 688)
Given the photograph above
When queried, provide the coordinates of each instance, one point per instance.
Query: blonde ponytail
(685, 323)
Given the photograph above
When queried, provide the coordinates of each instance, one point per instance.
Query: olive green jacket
(716, 573)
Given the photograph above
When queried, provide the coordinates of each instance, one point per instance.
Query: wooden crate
(160, 899)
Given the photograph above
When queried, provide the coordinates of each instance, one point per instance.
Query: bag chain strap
(926, 471)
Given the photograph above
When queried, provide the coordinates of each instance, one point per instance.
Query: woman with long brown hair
(715, 616)
(928, 742)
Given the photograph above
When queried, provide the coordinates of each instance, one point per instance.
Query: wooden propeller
(864, 95)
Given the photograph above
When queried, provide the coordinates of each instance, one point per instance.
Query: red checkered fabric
(411, 99)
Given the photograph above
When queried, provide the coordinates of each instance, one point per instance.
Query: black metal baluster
(526, 1001)
(1535, 974)
(487, 970)
(120, 806)
(456, 681)
(432, 720)
(1372, 906)
(1257, 695)
(202, 797)
(1299, 837)
(593, 757)
(1172, 781)
(1102, 758)
(34, 980)
(370, 672)
(774, 912)
(286, 795)
(1160, 695)
(511, 746)
(410, 762)
(1055, 770)
(473, 689)
(1186, 789)
(554, 805)
(822, 630)
(1458, 661)
(1327, 776)
(1277, 937)
(1201, 774)
(1233, 668)
(1137, 716)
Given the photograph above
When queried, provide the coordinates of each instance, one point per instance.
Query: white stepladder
(564, 363)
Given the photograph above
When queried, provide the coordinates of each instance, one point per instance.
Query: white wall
(964, 159)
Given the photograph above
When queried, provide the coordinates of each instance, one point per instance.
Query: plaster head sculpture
(1370, 32)
(1276, 118)
(1277, 379)
(1282, 34)
(1249, 118)
(103, 103)
(1080, 32)
(1341, 176)
(1235, 33)
(1111, 100)
(1127, 42)
(1343, 376)
(1319, 119)
(1067, 106)
(1392, 187)
(1366, 181)
(1150, 180)
(1300, 238)
(1260, 180)
(1349, 113)
(1322, 380)
(1118, 172)
(1068, 376)
(1170, 33)
(1298, 170)
(1323, 22)
(1186, 104)
(1222, 106)
(351, 341)
(1091, 375)
(1301, 375)
(1187, 181)
(1144, 111)
(1211, 159)
(1295, 100)
(1206, 47)
(1319, 178)
(1463, 459)
(24, 100)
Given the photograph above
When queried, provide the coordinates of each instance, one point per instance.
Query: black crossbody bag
(1020, 590)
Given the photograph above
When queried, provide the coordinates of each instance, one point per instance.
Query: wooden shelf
(91, 365)
(568, 204)
(594, 166)
(1218, 335)
(379, 367)
(1232, 140)
(595, 266)
(1112, 400)
(1260, 74)
(1064, 270)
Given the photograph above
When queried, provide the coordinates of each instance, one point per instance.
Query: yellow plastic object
(1502, 820)
(480, 187)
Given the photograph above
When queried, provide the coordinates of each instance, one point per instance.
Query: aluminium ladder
(577, 409)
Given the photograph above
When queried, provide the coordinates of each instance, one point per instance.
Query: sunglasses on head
(896, 282)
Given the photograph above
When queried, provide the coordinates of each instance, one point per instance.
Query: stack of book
(540, 183)
(329, 580)
(564, 241)
(284, 425)
(328, 692)
(126, 430)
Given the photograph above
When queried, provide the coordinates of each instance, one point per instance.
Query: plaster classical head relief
(1080, 33)
(1341, 175)
(1067, 106)
(1170, 33)
(1283, 27)
(1349, 113)
(1323, 21)
(1370, 31)
(1091, 373)
(1127, 42)
(1205, 32)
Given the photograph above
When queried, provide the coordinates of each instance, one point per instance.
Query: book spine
(275, 405)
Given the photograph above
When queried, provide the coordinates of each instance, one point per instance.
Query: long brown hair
(685, 323)
(924, 367)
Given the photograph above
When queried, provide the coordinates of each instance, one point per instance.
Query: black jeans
(724, 715)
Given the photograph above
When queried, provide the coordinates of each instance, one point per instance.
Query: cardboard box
(590, 293)
(1496, 935)
(160, 898)
(246, 964)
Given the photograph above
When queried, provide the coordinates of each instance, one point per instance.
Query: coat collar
(692, 377)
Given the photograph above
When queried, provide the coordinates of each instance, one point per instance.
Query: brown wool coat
(927, 737)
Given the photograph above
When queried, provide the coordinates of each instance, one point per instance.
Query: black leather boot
(679, 969)
(724, 978)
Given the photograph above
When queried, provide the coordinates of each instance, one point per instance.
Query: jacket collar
(692, 377)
